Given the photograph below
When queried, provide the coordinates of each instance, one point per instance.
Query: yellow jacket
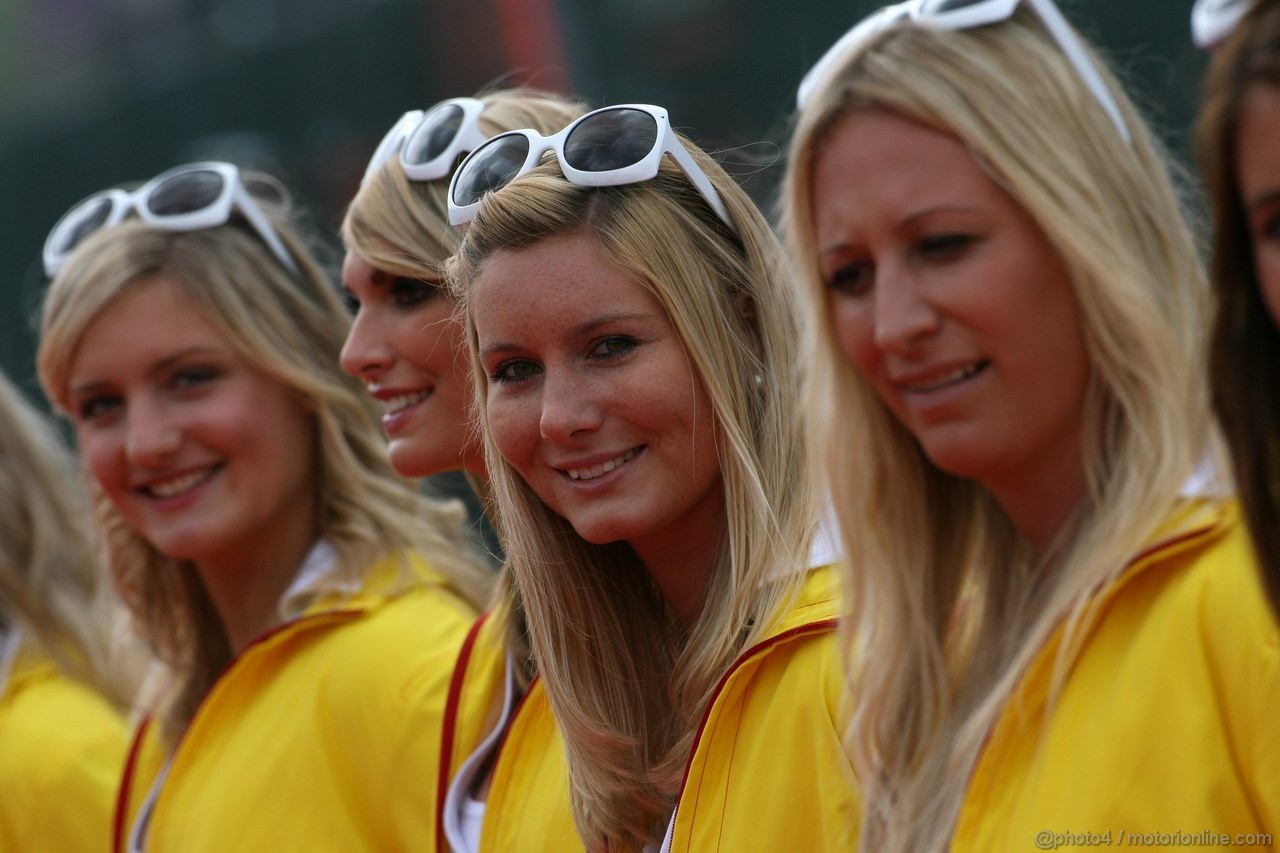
(62, 747)
(1167, 727)
(324, 734)
(767, 769)
(527, 804)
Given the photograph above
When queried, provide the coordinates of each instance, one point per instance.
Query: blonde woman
(1239, 126)
(308, 603)
(634, 349)
(1056, 631)
(62, 736)
(406, 345)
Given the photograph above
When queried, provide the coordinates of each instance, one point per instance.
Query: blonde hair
(626, 682)
(50, 572)
(925, 696)
(402, 226)
(291, 327)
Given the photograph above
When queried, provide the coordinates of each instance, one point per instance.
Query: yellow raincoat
(62, 747)
(1166, 733)
(324, 734)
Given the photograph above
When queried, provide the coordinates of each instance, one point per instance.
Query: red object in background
(533, 44)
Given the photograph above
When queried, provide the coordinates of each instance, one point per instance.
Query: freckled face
(205, 456)
(1258, 167)
(592, 398)
(949, 299)
(406, 345)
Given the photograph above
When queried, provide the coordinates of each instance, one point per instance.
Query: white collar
(313, 578)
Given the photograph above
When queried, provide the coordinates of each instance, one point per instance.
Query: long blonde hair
(50, 571)
(402, 226)
(292, 328)
(925, 695)
(626, 682)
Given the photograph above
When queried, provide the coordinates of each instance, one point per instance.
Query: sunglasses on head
(604, 148)
(186, 198)
(1214, 20)
(430, 141)
(963, 15)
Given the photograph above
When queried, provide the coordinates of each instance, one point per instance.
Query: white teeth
(179, 485)
(954, 376)
(603, 468)
(404, 401)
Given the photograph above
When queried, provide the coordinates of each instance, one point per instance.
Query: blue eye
(614, 346)
(515, 370)
(193, 377)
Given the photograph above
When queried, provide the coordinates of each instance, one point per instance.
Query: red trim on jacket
(120, 821)
(450, 724)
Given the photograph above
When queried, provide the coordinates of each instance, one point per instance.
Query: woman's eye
(852, 279)
(944, 247)
(409, 292)
(193, 377)
(1271, 227)
(515, 370)
(349, 300)
(96, 408)
(614, 346)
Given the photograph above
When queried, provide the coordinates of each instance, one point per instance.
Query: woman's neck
(246, 583)
(680, 559)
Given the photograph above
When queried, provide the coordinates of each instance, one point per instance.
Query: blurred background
(95, 93)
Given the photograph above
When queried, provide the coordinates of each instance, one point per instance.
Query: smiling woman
(289, 581)
(634, 350)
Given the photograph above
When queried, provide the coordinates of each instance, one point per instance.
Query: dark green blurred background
(100, 92)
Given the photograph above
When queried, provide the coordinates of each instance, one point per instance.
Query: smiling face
(1258, 167)
(950, 300)
(406, 346)
(202, 454)
(592, 398)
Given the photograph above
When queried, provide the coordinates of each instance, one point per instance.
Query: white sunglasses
(962, 15)
(1214, 20)
(430, 141)
(185, 198)
(604, 148)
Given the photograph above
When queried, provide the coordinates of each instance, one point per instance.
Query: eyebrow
(159, 367)
(843, 245)
(576, 332)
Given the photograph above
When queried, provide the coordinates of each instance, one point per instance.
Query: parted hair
(291, 327)
(52, 582)
(926, 687)
(626, 681)
(1244, 357)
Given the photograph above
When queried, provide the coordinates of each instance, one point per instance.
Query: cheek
(854, 329)
(431, 338)
(103, 456)
(514, 431)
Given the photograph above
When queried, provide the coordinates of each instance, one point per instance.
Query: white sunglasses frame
(978, 14)
(234, 197)
(396, 141)
(1210, 24)
(646, 169)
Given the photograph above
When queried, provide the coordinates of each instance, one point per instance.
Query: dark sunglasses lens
(186, 193)
(89, 218)
(492, 167)
(937, 7)
(611, 140)
(434, 136)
